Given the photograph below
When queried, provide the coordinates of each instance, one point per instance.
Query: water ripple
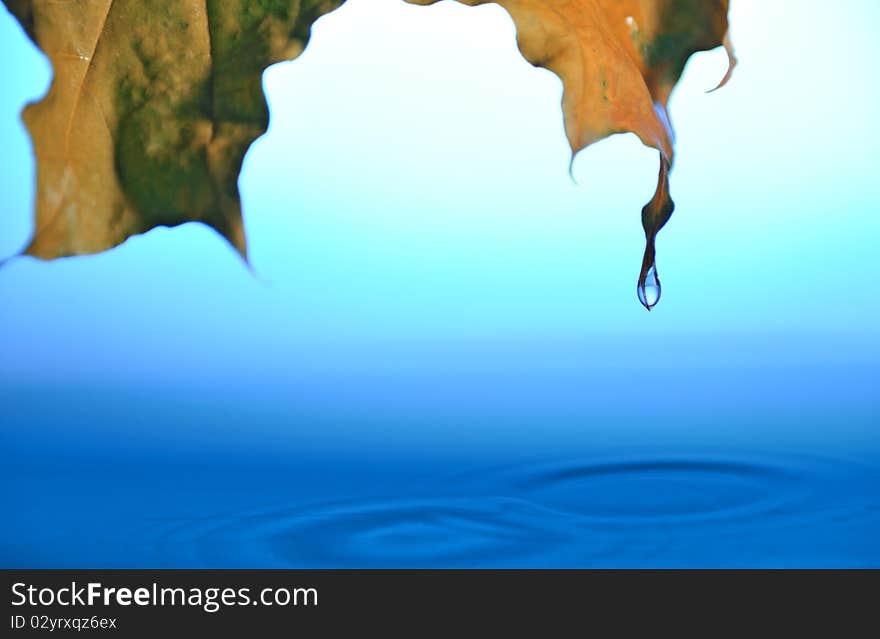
(668, 489)
(611, 512)
(380, 533)
(435, 531)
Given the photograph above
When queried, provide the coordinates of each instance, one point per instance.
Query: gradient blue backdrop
(441, 360)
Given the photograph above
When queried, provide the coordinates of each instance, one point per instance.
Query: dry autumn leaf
(151, 110)
(155, 102)
(619, 61)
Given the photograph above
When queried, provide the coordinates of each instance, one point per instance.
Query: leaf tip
(235, 236)
(571, 168)
(732, 61)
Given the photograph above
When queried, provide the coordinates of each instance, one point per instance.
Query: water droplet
(649, 288)
(654, 216)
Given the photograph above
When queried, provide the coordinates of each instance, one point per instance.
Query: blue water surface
(438, 358)
(520, 455)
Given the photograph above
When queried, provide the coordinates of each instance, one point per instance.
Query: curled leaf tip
(732, 61)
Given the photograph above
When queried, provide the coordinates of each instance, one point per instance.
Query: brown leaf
(155, 102)
(619, 61)
(152, 108)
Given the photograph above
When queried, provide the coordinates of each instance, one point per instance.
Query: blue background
(440, 360)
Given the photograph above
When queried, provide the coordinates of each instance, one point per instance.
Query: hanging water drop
(655, 214)
(649, 289)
